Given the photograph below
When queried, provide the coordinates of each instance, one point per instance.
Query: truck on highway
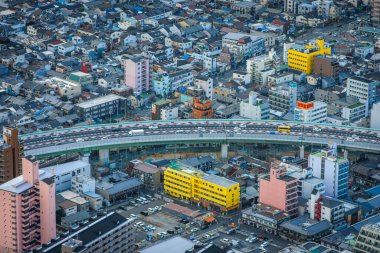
(136, 132)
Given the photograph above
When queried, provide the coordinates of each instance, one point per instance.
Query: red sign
(306, 106)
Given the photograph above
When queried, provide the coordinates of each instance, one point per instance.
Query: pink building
(136, 74)
(27, 209)
(279, 190)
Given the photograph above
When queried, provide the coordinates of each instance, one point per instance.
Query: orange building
(202, 108)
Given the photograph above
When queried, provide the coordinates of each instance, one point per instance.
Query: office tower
(368, 239)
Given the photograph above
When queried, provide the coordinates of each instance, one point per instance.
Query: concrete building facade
(255, 108)
(136, 74)
(334, 170)
(10, 155)
(28, 212)
(279, 190)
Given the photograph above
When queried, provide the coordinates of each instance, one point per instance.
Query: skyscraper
(28, 209)
(333, 170)
(10, 155)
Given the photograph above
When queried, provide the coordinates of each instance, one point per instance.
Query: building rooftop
(92, 232)
(67, 204)
(146, 168)
(331, 202)
(219, 180)
(60, 169)
(306, 226)
(99, 101)
(361, 79)
(176, 244)
(18, 184)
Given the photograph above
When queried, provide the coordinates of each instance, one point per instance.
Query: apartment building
(136, 74)
(326, 66)
(28, 212)
(64, 87)
(102, 107)
(301, 57)
(255, 108)
(112, 233)
(362, 88)
(368, 239)
(10, 155)
(187, 183)
(206, 83)
(315, 111)
(307, 183)
(256, 65)
(82, 184)
(243, 45)
(64, 172)
(278, 189)
(148, 174)
(283, 98)
(326, 208)
(333, 170)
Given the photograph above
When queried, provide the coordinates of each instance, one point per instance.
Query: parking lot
(152, 224)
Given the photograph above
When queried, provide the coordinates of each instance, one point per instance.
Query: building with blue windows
(334, 171)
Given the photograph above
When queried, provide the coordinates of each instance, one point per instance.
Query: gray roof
(124, 185)
(176, 244)
(79, 216)
(219, 180)
(331, 202)
(305, 226)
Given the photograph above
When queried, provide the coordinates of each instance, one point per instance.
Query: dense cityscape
(190, 126)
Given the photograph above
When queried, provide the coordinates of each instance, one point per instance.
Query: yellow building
(301, 57)
(185, 182)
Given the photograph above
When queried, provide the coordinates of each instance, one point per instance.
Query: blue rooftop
(373, 191)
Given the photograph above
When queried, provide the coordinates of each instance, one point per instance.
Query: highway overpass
(103, 137)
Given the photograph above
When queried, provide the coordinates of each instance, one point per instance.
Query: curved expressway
(127, 134)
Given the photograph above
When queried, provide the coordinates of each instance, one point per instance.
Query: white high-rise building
(311, 112)
(255, 108)
(362, 88)
(333, 170)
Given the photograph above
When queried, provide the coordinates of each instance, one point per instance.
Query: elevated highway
(224, 131)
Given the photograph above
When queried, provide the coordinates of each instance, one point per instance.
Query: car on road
(316, 129)
(74, 226)
(94, 217)
(225, 241)
(65, 232)
(84, 222)
(194, 229)
(264, 244)
(133, 215)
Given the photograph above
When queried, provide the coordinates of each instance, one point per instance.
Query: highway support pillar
(85, 158)
(302, 152)
(224, 151)
(345, 154)
(104, 156)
